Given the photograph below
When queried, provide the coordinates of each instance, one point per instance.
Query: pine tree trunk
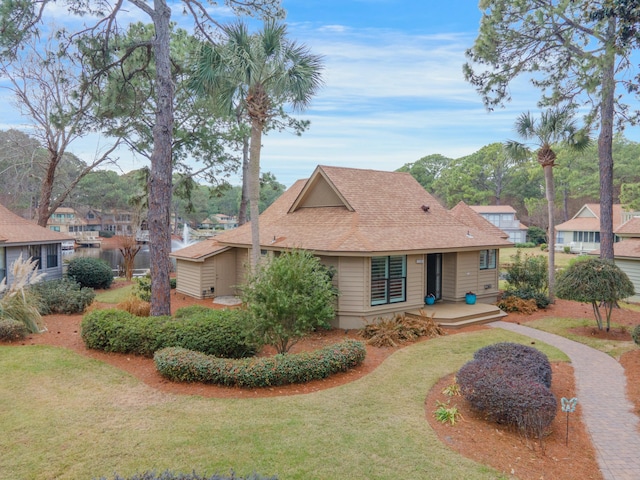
(161, 168)
(605, 145)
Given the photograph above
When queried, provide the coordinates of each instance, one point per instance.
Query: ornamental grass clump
(181, 365)
(17, 301)
(509, 384)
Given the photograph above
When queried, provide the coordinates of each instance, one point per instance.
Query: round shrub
(528, 360)
(223, 333)
(179, 364)
(90, 272)
(635, 334)
(12, 330)
(509, 383)
(63, 296)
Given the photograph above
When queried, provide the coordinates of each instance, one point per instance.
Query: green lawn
(65, 416)
(115, 295)
(562, 327)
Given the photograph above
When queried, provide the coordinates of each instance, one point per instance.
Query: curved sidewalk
(607, 413)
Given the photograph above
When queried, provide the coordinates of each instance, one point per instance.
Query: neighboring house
(20, 236)
(627, 253)
(582, 233)
(227, 222)
(503, 217)
(389, 241)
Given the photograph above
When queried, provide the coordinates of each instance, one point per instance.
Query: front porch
(458, 315)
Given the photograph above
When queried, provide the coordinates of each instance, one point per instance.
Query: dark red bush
(507, 383)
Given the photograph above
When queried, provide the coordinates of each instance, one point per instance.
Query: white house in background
(503, 217)
(582, 233)
(20, 236)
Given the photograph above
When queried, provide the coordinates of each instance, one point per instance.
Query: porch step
(458, 315)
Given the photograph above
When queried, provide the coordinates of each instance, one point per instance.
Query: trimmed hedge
(179, 364)
(509, 383)
(63, 296)
(90, 272)
(216, 332)
(167, 475)
(12, 330)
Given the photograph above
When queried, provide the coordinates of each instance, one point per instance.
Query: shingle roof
(630, 228)
(199, 251)
(629, 248)
(468, 215)
(590, 224)
(492, 208)
(17, 230)
(380, 212)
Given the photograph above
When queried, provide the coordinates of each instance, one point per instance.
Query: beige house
(582, 233)
(391, 244)
(19, 236)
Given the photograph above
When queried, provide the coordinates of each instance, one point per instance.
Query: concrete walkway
(607, 413)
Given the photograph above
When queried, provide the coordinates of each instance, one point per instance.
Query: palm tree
(555, 127)
(260, 73)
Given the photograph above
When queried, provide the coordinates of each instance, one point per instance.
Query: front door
(434, 275)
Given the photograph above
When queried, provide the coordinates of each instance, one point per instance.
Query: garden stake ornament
(568, 406)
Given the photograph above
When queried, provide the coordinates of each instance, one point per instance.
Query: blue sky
(393, 88)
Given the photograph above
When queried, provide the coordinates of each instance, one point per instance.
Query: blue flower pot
(429, 299)
(470, 298)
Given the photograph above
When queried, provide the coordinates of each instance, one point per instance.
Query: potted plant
(470, 298)
(430, 299)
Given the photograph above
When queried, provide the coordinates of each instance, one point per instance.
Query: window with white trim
(487, 259)
(388, 279)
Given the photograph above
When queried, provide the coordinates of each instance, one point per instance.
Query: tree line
(23, 162)
(491, 176)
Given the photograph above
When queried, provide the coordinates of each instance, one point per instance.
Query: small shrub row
(63, 296)
(635, 334)
(517, 304)
(12, 330)
(509, 383)
(168, 475)
(90, 272)
(183, 365)
(223, 333)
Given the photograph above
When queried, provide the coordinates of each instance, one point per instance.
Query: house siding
(189, 280)
(353, 281)
(449, 276)
(13, 253)
(467, 273)
(632, 269)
